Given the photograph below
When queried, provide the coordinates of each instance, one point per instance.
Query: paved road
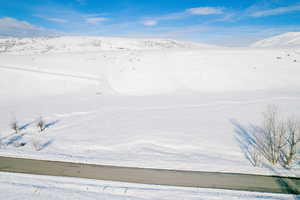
(247, 182)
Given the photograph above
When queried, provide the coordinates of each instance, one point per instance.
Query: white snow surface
(149, 72)
(175, 108)
(286, 40)
(29, 187)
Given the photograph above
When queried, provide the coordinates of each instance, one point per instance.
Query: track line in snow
(217, 103)
(89, 78)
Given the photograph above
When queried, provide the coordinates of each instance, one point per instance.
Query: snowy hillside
(86, 44)
(144, 72)
(136, 102)
(287, 40)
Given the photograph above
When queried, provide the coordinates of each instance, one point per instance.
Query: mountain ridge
(63, 44)
(286, 40)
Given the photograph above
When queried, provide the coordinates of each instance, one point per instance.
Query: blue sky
(223, 22)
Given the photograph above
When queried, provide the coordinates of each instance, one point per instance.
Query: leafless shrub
(292, 138)
(254, 156)
(41, 124)
(277, 139)
(269, 138)
(14, 125)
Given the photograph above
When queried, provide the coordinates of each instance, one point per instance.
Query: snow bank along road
(259, 183)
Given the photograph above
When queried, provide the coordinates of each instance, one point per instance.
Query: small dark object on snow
(21, 144)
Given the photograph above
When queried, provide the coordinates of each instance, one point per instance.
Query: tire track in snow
(217, 103)
(89, 78)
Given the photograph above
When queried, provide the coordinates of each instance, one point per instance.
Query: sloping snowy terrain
(142, 72)
(192, 132)
(136, 105)
(286, 40)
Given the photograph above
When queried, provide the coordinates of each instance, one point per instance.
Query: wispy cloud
(192, 11)
(95, 20)
(75, 18)
(229, 17)
(184, 14)
(8, 22)
(16, 28)
(205, 11)
(52, 19)
(59, 20)
(276, 11)
(149, 22)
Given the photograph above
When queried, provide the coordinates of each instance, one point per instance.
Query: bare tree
(269, 138)
(14, 125)
(292, 137)
(254, 156)
(277, 140)
(41, 124)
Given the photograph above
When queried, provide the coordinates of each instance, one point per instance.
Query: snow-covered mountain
(287, 40)
(88, 44)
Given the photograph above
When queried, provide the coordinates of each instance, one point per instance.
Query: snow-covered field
(169, 106)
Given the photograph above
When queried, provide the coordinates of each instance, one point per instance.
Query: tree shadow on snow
(24, 126)
(15, 135)
(44, 145)
(47, 125)
(288, 185)
(14, 139)
(246, 140)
